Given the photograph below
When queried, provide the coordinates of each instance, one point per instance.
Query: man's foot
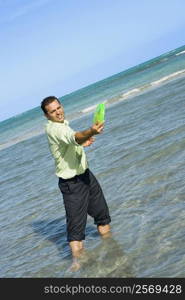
(75, 266)
(81, 261)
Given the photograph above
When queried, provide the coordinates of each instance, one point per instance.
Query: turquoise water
(139, 161)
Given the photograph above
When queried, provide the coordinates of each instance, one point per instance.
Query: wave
(180, 53)
(164, 59)
(166, 78)
(145, 87)
(22, 138)
(88, 109)
(128, 94)
(110, 101)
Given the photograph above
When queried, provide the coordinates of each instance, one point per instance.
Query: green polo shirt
(69, 156)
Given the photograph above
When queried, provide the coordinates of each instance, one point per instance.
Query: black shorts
(83, 195)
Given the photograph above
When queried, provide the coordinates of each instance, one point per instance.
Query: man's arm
(83, 136)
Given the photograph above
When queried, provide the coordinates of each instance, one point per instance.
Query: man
(81, 191)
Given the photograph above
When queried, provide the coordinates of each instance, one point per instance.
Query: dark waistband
(75, 177)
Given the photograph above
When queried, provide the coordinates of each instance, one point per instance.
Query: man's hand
(88, 142)
(82, 136)
(97, 128)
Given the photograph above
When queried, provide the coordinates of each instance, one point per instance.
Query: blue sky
(54, 47)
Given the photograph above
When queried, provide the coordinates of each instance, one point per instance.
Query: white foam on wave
(88, 109)
(164, 59)
(166, 78)
(130, 93)
(180, 53)
(22, 138)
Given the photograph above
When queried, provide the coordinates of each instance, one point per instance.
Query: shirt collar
(65, 122)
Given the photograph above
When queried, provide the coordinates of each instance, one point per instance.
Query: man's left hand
(88, 142)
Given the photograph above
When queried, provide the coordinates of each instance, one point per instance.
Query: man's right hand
(82, 136)
(97, 128)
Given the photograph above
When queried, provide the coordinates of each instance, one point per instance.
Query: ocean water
(139, 161)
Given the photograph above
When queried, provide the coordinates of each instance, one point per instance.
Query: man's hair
(47, 101)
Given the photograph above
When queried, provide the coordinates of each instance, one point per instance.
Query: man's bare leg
(77, 246)
(76, 249)
(104, 230)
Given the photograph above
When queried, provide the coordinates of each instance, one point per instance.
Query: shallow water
(139, 161)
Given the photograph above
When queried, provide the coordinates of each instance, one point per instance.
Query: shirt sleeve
(66, 134)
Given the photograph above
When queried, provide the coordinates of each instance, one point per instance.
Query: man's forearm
(83, 136)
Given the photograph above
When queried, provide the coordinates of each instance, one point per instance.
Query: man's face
(55, 112)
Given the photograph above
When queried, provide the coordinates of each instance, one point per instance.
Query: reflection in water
(105, 260)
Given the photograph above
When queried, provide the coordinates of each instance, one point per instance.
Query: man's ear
(46, 115)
